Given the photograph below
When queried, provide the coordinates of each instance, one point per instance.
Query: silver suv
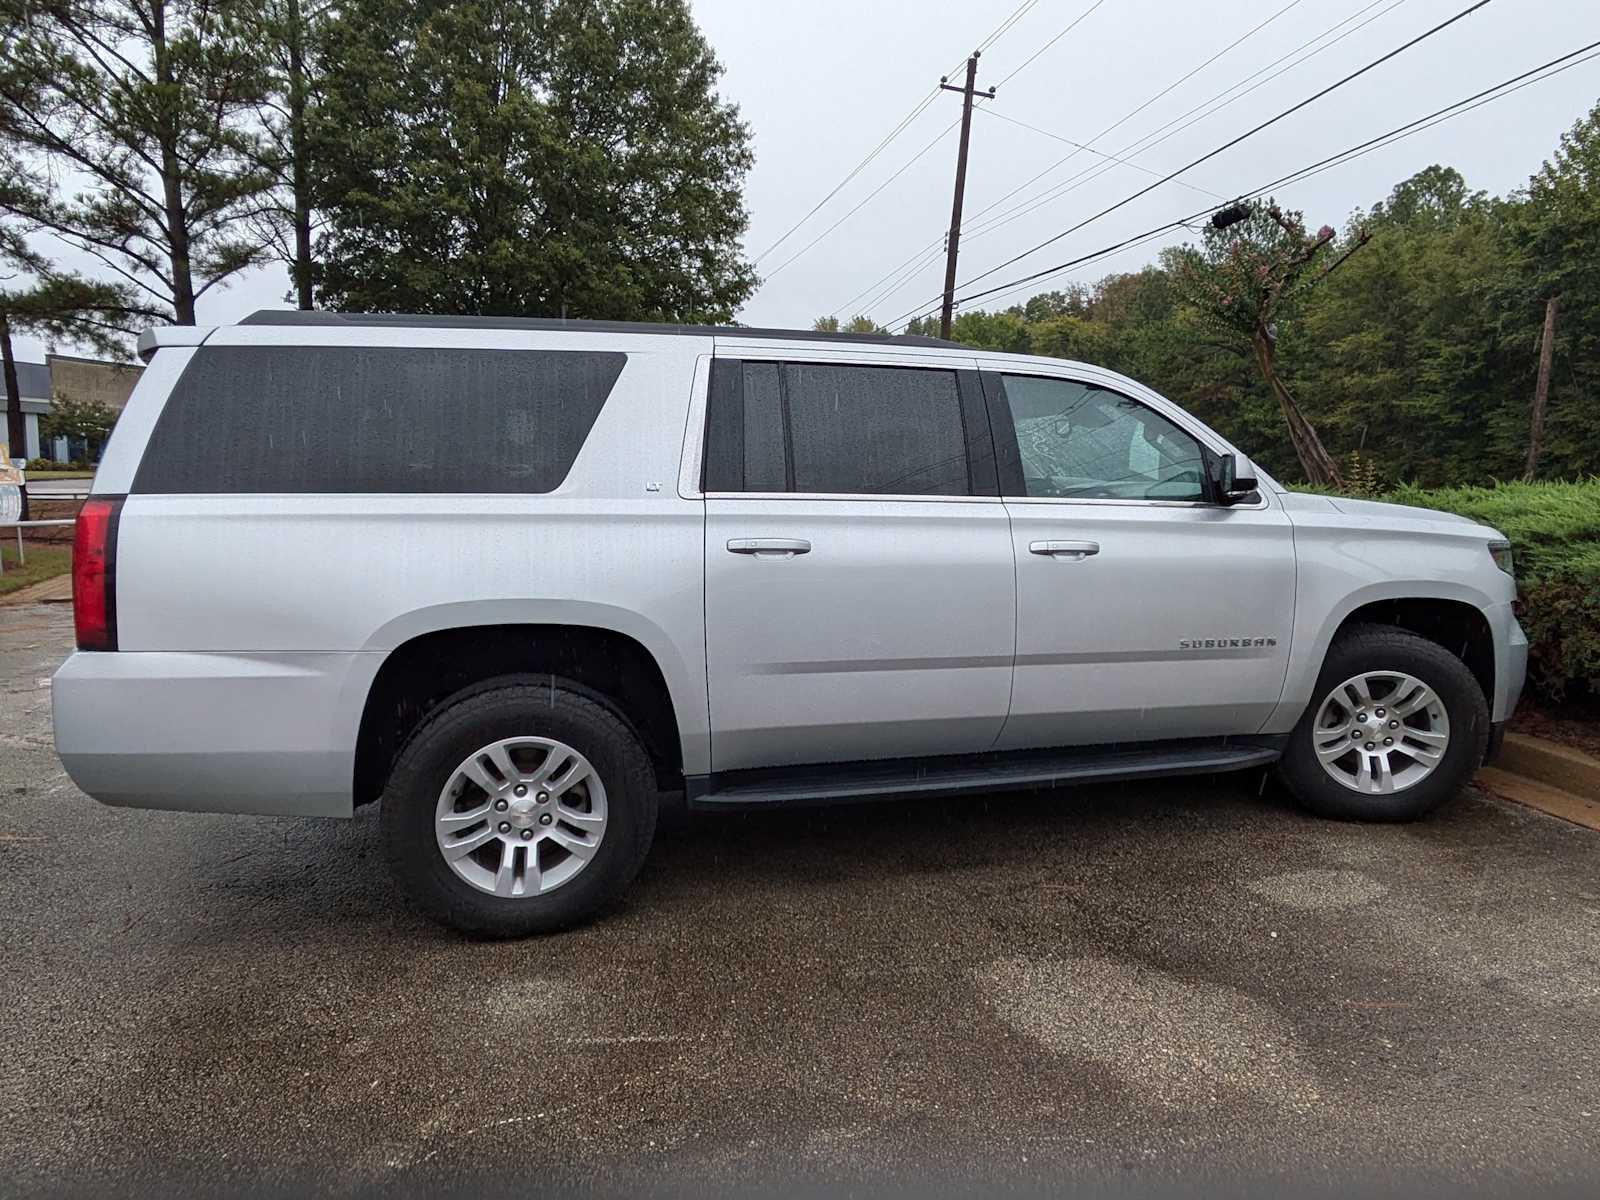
(517, 580)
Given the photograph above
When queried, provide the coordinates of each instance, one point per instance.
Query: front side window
(1082, 441)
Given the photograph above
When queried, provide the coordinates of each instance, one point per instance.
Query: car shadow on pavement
(292, 875)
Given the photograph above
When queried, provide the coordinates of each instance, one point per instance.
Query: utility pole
(1541, 391)
(953, 238)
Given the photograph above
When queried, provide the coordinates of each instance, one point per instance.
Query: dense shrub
(1554, 529)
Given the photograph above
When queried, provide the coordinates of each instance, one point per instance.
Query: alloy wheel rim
(521, 817)
(1381, 732)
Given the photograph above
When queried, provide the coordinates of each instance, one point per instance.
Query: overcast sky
(822, 82)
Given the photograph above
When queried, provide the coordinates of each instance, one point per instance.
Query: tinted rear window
(337, 419)
(891, 430)
(825, 428)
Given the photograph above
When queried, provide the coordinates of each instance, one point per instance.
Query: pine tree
(145, 102)
(532, 157)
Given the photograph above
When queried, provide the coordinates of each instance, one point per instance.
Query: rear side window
(339, 419)
(821, 428)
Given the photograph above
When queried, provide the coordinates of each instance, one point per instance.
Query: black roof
(281, 316)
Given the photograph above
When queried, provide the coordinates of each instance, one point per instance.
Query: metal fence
(19, 526)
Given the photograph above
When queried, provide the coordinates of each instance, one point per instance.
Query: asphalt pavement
(1137, 988)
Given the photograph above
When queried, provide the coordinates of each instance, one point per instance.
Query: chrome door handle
(1072, 550)
(770, 547)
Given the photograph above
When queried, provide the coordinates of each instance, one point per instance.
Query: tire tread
(1374, 647)
(406, 788)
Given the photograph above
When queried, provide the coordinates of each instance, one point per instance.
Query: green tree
(1249, 278)
(290, 34)
(1555, 230)
(87, 421)
(856, 324)
(528, 157)
(142, 106)
(38, 299)
(1402, 352)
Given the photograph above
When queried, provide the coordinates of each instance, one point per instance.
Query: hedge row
(1554, 529)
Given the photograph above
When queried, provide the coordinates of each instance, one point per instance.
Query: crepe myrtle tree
(1246, 280)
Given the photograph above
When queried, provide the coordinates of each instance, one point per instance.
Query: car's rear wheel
(518, 807)
(1396, 726)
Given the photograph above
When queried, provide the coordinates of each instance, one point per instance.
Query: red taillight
(94, 574)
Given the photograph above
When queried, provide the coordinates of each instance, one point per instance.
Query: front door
(860, 597)
(1144, 610)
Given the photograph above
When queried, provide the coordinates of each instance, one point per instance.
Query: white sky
(821, 82)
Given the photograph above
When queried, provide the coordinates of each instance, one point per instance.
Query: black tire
(507, 707)
(1365, 648)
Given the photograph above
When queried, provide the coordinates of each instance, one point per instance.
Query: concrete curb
(1546, 776)
(1552, 764)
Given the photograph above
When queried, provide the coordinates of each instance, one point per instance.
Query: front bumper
(1511, 661)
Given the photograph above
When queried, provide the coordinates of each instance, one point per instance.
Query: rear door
(1144, 610)
(860, 591)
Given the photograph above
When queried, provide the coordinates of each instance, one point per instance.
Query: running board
(894, 778)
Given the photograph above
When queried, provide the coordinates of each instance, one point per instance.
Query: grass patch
(44, 562)
(67, 474)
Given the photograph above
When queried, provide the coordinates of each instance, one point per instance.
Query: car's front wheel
(1396, 726)
(518, 807)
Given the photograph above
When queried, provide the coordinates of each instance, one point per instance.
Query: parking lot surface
(1145, 986)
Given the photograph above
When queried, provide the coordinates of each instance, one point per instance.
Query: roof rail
(274, 316)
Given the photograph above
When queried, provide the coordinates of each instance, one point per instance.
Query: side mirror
(1227, 485)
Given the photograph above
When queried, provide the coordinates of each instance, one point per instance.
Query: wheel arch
(1451, 615)
(1455, 625)
(423, 670)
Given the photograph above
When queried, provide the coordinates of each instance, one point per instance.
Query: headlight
(1501, 553)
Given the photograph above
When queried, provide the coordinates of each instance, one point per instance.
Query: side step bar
(896, 778)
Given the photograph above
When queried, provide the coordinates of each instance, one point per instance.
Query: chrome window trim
(1260, 504)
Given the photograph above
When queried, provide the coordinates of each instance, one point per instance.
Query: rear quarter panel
(353, 576)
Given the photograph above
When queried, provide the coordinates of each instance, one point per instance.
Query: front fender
(1346, 562)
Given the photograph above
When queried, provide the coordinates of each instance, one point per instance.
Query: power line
(854, 171)
(1232, 142)
(1128, 116)
(1112, 157)
(939, 137)
(927, 251)
(1070, 27)
(1021, 11)
(898, 273)
(1348, 155)
(904, 123)
(1499, 91)
(1143, 144)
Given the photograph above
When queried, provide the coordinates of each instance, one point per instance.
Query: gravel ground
(1133, 988)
